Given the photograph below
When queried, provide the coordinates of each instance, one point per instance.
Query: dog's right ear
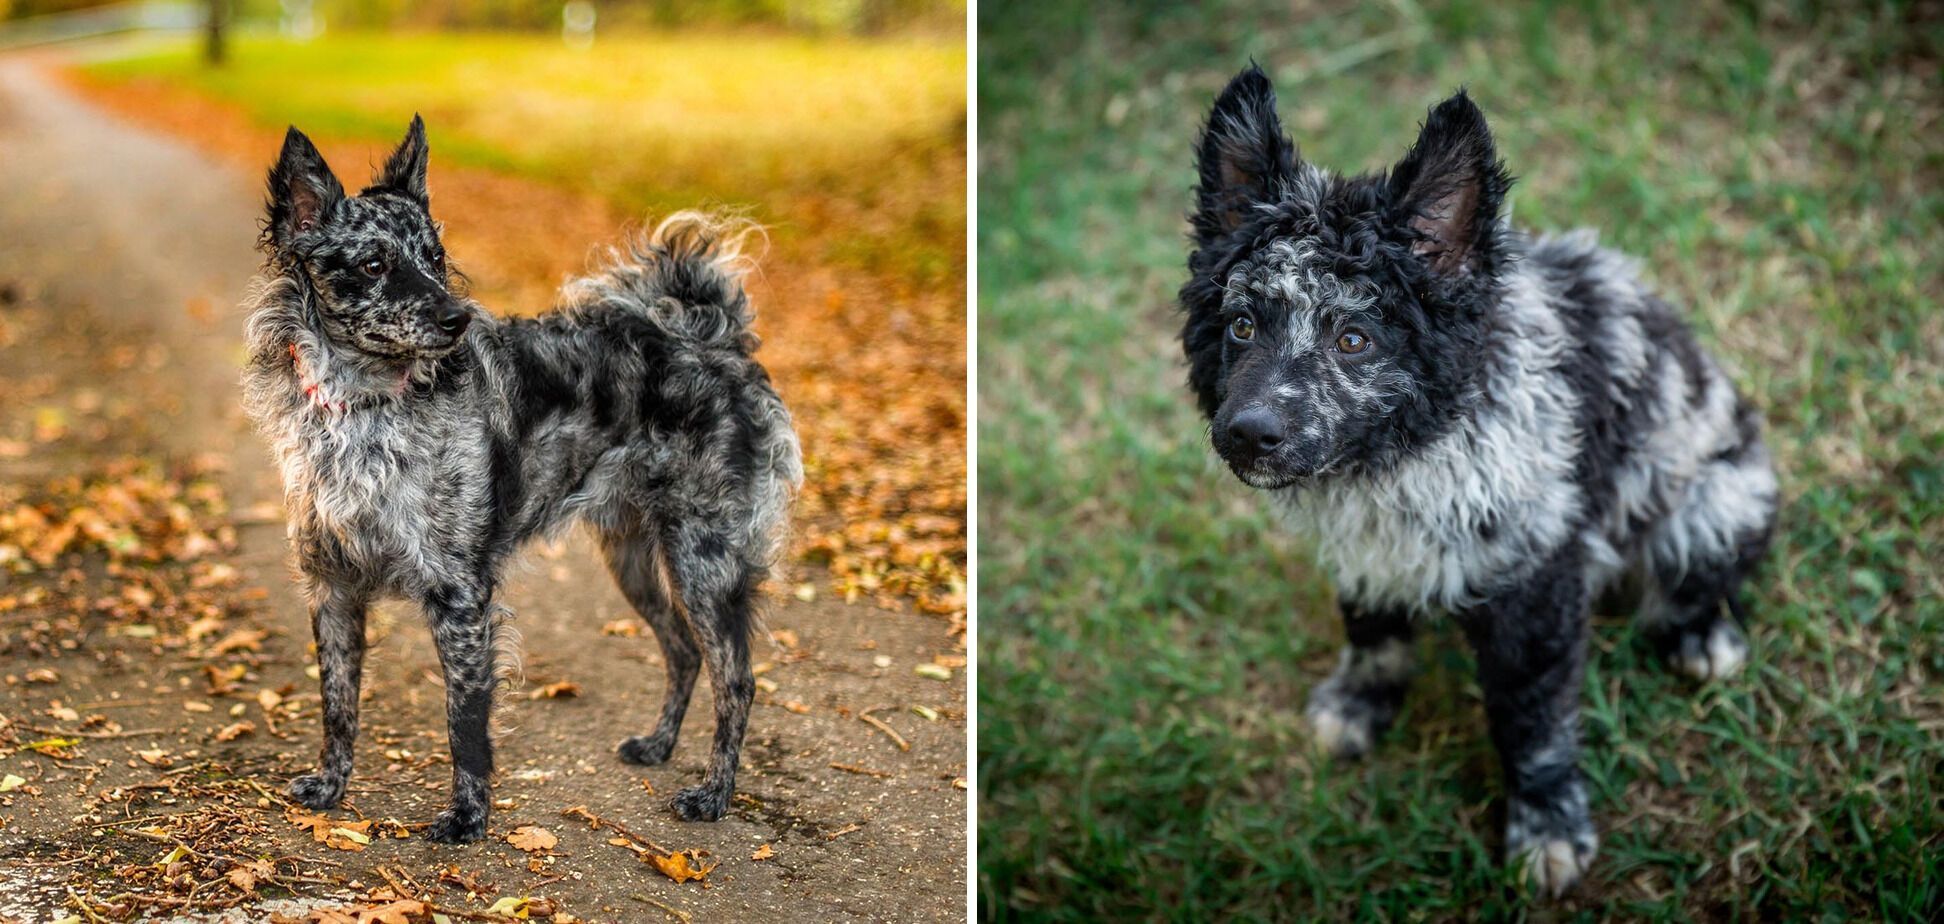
(302, 189)
(1244, 156)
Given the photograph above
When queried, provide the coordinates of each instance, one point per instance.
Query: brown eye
(374, 267)
(1242, 328)
(1352, 342)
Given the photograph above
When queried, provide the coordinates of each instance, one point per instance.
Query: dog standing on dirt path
(1468, 421)
(422, 441)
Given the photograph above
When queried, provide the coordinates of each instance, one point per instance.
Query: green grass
(1147, 633)
(807, 130)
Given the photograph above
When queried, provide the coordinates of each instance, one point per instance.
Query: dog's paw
(1344, 723)
(1340, 733)
(1553, 847)
(317, 791)
(647, 750)
(458, 825)
(701, 803)
(1550, 868)
(1716, 654)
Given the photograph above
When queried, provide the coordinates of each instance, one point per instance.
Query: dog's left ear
(1244, 158)
(405, 169)
(1448, 190)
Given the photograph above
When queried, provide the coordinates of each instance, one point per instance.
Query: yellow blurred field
(856, 140)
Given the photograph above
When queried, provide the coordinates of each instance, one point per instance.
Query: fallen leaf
(562, 690)
(196, 705)
(630, 628)
(509, 907)
(240, 640)
(682, 866)
(532, 839)
(236, 730)
(348, 838)
(43, 675)
(933, 671)
(797, 707)
(155, 757)
(762, 853)
(785, 637)
(11, 782)
(243, 879)
(398, 912)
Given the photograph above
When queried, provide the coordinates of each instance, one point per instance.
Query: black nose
(452, 319)
(1257, 429)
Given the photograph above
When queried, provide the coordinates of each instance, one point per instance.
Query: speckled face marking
(373, 262)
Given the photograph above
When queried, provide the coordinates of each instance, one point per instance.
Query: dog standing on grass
(422, 441)
(1469, 421)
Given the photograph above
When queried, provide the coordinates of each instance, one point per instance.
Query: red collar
(312, 390)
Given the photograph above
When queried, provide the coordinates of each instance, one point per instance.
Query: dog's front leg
(462, 627)
(338, 625)
(1531, 644)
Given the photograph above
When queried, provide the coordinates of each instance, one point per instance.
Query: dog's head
(374, 260)
(1334, 323)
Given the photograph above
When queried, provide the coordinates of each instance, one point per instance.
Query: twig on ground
(132, 733)
(880, 725)
(580, 811)
(861, 771)
(673, 911)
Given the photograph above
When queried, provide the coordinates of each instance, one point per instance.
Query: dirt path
(122, 255)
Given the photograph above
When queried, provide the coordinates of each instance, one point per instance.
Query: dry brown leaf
(43, 675)
(532, 839)
(398, 912)
(240, 640)
(561, 690)
(236, 730)
(762, 853)
(243, 879)
(630, 628)
(683, 866)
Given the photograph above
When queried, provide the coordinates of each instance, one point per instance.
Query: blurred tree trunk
(215, 33)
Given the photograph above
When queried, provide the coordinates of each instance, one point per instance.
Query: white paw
(1554, 866)
(1337, 734)
(1718, 657)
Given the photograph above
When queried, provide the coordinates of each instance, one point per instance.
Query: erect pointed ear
(1448, 190)
(302, 189)
(405, 169)
(1244, 156)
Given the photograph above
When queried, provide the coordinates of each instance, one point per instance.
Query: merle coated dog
(422, 440)
(1469, 421)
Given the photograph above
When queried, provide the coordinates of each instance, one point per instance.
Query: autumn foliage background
(838, 126)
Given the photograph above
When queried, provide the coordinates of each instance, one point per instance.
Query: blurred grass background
(1147, 633)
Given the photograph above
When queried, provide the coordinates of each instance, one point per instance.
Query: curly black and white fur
(1467, 420)
(423, 440)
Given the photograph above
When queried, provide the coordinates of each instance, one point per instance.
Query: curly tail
(686, 274)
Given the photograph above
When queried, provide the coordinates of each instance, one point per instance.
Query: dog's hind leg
(1697, 560)
(462, 628)
(1349, 710)
(338, 624)
(634, 560)
(717, 589)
